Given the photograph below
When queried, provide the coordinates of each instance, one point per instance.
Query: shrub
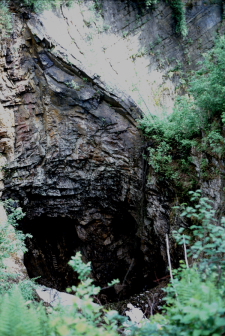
(195, 299)
(178, 7)
(208, 85)
(84, 318)
(11, 240)
(197, 120)
(196, 296)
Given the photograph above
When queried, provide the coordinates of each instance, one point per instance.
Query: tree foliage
(196, 296)
(197, 120)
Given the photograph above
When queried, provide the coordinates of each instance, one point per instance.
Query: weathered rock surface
(77, 161)
(136, 50)
(72, 97)
(53, 297)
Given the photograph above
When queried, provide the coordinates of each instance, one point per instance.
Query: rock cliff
(74, 82)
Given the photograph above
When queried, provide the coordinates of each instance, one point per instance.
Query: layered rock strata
(70, 135)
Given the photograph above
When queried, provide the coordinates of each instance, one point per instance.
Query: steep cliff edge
(72, 86)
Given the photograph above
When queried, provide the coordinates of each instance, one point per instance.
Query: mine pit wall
(75, 158)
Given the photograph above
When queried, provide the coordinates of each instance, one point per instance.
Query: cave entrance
(111, 246)
(110, 243)
(50, 249)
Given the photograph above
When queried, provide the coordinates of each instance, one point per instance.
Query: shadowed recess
(53, 243)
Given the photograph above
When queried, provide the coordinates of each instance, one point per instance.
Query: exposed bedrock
(78, 173)
(74, 151)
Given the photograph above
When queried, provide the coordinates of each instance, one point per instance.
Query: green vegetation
(195, 298)
(73, 85)
(85, 317)
(6, 24)
(195, 301)
(150, 3)
(5, 18)
(196, 123)
(40, 5)
(18, 317)
(20, 314)
(178, 7)
(7, 231)
(12, 241)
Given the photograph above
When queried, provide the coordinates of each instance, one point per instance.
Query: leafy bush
(150, 3)
(85, 317)
(195, 306)
(209, 233)
(208, 85)
(11, 240)
(196, 297)
(197, 121)
(19, 316)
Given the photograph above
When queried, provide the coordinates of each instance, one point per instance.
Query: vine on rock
(178, 7)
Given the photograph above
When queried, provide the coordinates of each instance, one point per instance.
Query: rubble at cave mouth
(56, 239)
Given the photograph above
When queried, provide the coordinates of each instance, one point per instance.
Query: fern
(17, 319)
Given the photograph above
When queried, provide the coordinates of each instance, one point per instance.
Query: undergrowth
(12, 242)
(195, 300)
(194, 129)
(195, 304)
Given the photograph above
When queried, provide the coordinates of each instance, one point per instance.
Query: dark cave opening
(50, 249)
(56, 239)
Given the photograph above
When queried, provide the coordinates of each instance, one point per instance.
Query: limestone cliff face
(73, 84)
